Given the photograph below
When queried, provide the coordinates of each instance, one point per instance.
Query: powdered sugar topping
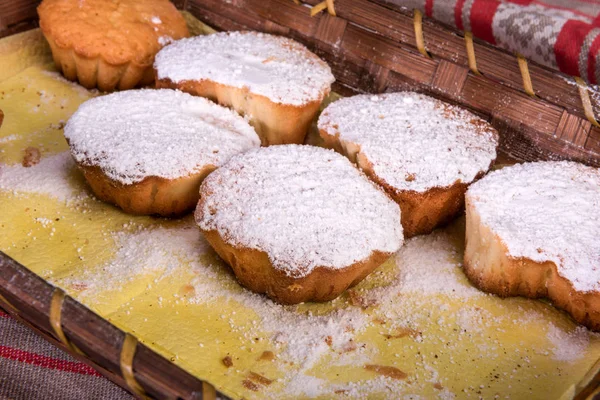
(546, 211)
(278, 68)
(414, 142)
(304, 206)
(135, 134)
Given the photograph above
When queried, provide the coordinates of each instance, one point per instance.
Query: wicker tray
(371, 46)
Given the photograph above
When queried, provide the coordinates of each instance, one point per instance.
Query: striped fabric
(560, 34)
(32, 368)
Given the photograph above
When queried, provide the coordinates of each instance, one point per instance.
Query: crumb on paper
(385, 370)
(403, 332)
(248, 384)
(32, 157)
(227, 361)
(258, 378)
(361, 301)
(267, 355)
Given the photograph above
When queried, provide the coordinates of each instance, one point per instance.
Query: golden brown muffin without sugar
(298, 223)
(532, 230)
(274, 81)
(109, 44)
(151, 196)
(423, 152)
(147, 151)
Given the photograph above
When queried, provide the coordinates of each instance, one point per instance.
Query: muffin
(422, 151)
(273, 80)
(299, 223)
(147, 151)
(109, 44)
(533, 230)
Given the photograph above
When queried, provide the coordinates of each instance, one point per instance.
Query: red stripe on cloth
(591, 67)
(458, 10)
(429, 8)
(568, 45)
(3, 314)
(46, 362)
(482, 15)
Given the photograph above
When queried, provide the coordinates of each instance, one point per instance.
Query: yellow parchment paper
(413, 329)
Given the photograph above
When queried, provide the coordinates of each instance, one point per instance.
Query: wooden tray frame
(371, 45)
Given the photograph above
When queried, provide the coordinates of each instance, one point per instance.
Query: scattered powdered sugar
(45, 222)
(49, 177)
(143, 251)
(425, 265)
(305, 206)
(135, 134)
(9, 138)
(546, 211)
(568, 346)
(298, 335)
(302, 335)
(155, 20)
(473, 320)
(278, 68)
(302, 344)
(306, 385)
(163, 250)
(165, 40)
(414, 142)
(309, 386)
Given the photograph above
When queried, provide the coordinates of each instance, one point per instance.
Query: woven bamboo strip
(128, 350)
(471, 53)
(56, 304)
(586, 102)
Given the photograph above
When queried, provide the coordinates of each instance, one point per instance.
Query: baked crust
(275, 123)
(489, 267)
(108, 45)
(151, 196)
(254, 270)
(422, 212)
